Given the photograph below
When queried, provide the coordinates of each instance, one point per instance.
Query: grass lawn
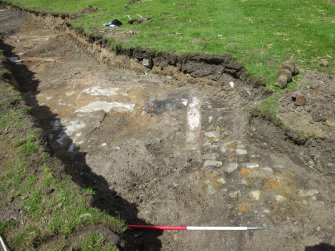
(261, 34)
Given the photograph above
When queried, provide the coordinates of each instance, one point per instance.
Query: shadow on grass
(75, 165)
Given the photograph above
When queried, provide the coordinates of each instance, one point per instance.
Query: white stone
(106, 106)
(210, 190)
(252, 165)
(241, 151)
(221, 180)
(213, 134)
(232, 84)
(184, 101)
(234, 194)
(146, 62)
(193, 118)
(280, 198)
(309, 192)
(212, 163)
(255, 194)
(267, 211)
(104, 144)
(211, 156)
(100, 91)
(231, 167)
(267, 170)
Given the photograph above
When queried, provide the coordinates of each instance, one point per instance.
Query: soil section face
(179, 151)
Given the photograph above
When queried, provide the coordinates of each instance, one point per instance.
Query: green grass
(268, 109)
(261, 34)
(49, 206)
(92, 242)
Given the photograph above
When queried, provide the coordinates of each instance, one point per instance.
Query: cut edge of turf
(213, 65)
(267, 109)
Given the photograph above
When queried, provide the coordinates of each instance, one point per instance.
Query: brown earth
(180, 148)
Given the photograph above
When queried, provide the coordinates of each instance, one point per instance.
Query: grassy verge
(267, 109)
(35, 205)
(261, 34)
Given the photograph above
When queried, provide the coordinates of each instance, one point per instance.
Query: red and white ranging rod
(184, 228)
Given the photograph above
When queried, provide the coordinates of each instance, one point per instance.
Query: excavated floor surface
(179, 151)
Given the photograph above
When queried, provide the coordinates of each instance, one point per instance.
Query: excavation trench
(162, 149)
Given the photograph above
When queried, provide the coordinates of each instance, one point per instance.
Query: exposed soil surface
(178, 149)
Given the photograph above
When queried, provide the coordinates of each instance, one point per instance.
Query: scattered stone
(213, 147)
(104, 144)
(234, 194)
(267, 211)
(231, 83)
(243, 182)
(324, 63)
(213, 134)
(72, 148)
(147, 62)
(255, 194)
(299, 99)
(306, 193)
(231, 167)
(251, 165)
(241, 151)
(211, 156)
(221, 180)
(329, 123)
(210, 189)
(268, 170)
(13, 59)
(210, 119)
(184, 101)
(214, 163)
(280, 198)
(223, 149)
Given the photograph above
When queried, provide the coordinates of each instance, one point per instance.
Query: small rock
(280, 198)
(210, 189)
(241, 151)
(231, 83)
(299, 100)
(267, 211)
(231, 167)
(104, 144)
(221, 180)
(147, 62)
(13, 59)
(234, 194)
(324, 63)
(329, 123)
(251, 165)
(309, 192)
(268, 170)
(255, 194)
(214, 147)
(212, 163)
(211, 156)
(213, 134)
